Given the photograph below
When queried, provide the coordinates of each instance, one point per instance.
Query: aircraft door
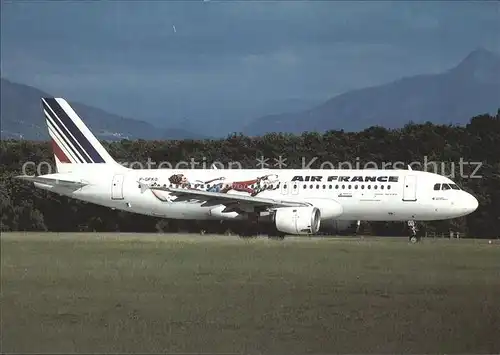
(117, 188)
(410, 188)
(284, 188)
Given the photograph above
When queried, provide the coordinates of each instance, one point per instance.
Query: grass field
(200, 294)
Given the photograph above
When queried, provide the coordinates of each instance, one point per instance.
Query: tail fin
(73, 144)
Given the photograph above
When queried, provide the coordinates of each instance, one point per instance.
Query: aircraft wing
(218, 198)
(52, 181)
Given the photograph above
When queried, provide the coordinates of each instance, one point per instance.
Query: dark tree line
(25, 208)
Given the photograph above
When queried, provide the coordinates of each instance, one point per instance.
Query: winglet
(143, 186)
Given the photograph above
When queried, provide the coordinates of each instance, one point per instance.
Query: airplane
(290, 201)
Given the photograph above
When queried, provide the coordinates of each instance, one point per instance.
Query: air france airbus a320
(296, 202)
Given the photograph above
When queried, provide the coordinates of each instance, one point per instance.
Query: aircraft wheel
(415, 239)
(249, 231)
(277, 236)
(247, 234)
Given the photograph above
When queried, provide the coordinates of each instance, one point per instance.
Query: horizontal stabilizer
(52, 181)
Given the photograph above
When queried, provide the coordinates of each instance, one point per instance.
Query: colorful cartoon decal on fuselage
(221, 185)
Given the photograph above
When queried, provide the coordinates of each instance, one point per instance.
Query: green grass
(152, 293)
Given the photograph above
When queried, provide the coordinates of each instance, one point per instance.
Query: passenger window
(305, 186)
(330, 187)
(437, 187)
(324, 186)
(446, 187)
(362, 187)
(389, 187)
(337, 186)
(356, 187)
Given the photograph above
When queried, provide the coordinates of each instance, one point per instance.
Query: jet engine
(329, 209)
(298, 220)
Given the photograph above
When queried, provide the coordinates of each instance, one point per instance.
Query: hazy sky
(152, 59)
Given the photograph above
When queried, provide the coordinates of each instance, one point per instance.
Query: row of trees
(469, 155)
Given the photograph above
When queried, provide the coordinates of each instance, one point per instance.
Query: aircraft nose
(470, 203)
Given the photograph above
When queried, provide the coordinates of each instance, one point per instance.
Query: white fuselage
(411, 197)
(297, 201)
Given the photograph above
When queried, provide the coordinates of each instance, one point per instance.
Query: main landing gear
(414, 237)
(275, 234)
(251, 228)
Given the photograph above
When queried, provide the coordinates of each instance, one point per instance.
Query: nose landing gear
(414, 237)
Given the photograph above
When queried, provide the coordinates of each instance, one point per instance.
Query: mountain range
(22, 118)
(470, 88)
(453, 97)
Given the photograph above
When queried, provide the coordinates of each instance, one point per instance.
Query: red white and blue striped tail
(73, 144)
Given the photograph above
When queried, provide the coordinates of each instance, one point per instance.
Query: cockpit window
(446, 187)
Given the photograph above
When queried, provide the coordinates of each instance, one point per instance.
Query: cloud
(111, 53)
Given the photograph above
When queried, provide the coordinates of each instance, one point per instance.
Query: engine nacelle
(329, 209)
(298, 220)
